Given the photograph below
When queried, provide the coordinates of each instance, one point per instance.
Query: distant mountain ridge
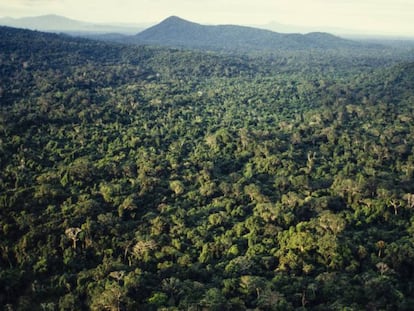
(177, 32)
(56, 23)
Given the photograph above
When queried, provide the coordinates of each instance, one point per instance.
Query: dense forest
(144, 178)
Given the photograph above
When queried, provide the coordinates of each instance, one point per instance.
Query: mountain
(177, 32)
(286, 28)
(56, 23)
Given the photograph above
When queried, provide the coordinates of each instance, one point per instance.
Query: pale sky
(388, 17)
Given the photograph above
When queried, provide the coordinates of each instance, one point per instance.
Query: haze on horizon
(379, 17)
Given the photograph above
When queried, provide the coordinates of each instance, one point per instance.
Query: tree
(72, 233)
(380, 245)
(177, 187)
(141, 250)
(213, 300)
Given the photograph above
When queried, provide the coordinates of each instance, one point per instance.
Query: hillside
(177, 32)
(56, 23)
(143, 178)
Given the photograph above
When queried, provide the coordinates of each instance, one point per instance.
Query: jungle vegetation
(144, 178)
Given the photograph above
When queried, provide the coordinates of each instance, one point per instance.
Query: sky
(386, 17)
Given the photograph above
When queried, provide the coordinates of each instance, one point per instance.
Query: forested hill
(27, 56)
(177, 32)
(56, 23)
(139, 178)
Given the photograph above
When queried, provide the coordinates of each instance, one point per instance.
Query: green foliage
(139, 178)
